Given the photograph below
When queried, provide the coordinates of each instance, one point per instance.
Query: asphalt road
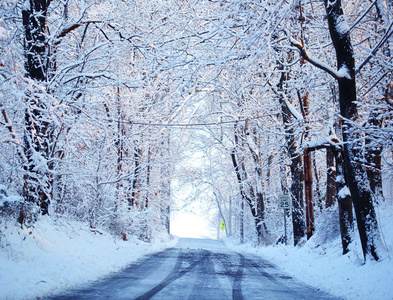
(198, 269)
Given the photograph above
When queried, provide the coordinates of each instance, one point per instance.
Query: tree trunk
(296, 190)
(242, 178)
(307, 166)
(353, 156)
(296, 187)
(373, 157)
(259, 206)
(133, 199)
(165, 183)
(37, 181)
(330, 178)
(318, 195)
(34, 22)
(344, 203)
(253, 206)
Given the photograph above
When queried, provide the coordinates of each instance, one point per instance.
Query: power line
(183, 124)
(193, 124)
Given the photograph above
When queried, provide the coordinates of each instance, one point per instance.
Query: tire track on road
(175, 274)
(237, 287)
(234, 271)
(205, 271)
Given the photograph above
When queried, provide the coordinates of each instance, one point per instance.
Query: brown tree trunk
(308, 193)
(307, 169)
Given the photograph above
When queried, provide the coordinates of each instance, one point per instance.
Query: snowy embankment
(320, 262)
(57, 255)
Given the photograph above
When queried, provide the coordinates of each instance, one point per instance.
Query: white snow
(58, 255)
(320, 262)
(342, 25)
(293, 110)
(3, 33)
(344, 192)
(344, 72)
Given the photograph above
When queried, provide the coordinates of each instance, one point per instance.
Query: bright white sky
(187, 224)
(189, 220)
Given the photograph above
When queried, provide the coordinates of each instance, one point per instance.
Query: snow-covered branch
(315, 62)
(385, 38)
(11, 129)
(293, 110)
(322, 143)
(67, 30)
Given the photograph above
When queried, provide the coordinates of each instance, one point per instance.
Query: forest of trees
(103, 101)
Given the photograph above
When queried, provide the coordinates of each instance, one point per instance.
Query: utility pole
(308, 193)
(307, 169)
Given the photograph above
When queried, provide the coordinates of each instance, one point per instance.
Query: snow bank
(323, 265)
(57, 255)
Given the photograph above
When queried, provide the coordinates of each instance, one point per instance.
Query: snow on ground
(324, 266)
(57, 255)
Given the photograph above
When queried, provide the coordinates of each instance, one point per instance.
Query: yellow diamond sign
(222, 225)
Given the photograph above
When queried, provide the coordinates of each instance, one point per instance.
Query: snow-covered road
(198, 269)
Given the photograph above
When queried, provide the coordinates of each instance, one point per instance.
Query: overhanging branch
(315, 62)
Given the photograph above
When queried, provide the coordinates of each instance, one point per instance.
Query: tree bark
(252, 141)
(373, 156)
(330, 178)
(318, 195)
(308, 193)
(356, 176)
(241, 174)
(253, 207)
(307, 169)
(134, 198)
(344, 203)
(296, 187)
(296, 190)
(37, 181)
(34, 22)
